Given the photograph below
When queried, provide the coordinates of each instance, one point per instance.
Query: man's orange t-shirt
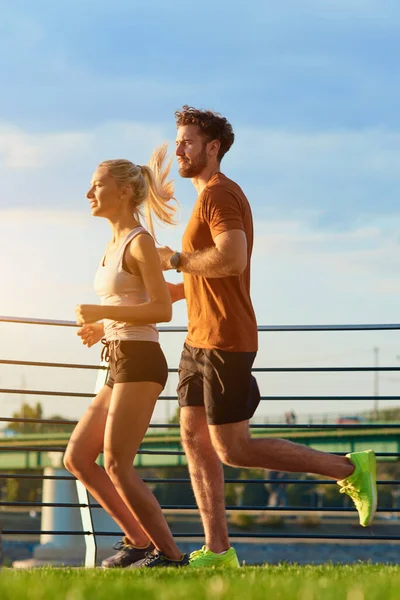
(220, 312)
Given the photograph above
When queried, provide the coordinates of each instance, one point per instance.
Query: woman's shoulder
(141, 243)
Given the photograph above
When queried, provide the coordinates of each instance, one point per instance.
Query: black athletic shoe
(158, 559)
(126, 555)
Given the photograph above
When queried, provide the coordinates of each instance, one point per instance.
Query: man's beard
(193, 167)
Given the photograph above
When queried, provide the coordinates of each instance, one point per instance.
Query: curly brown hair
(213, 125)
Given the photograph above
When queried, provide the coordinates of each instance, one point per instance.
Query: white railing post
(83, 497)
(87, 525)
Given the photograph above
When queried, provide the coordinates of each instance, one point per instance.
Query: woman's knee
(74, 463)
(116, 469)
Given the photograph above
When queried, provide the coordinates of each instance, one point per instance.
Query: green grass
(284, 582)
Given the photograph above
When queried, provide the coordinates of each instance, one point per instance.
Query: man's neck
(201, 180)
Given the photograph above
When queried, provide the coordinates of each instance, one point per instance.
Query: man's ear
(213, 147)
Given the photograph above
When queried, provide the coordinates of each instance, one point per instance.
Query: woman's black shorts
(132, 361)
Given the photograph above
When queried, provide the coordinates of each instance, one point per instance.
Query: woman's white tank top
(117, 287)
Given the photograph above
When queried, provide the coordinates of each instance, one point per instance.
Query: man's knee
(192, 438)
(231, 454)
(231, 445)
(194, 430)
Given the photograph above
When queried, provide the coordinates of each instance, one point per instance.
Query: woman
(134, 296)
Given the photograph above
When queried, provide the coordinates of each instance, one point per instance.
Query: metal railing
(86, 506)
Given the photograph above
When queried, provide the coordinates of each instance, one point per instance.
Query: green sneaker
(205, 558)
(361, 485)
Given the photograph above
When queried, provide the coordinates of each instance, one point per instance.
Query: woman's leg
(129, 415)
(84, 446)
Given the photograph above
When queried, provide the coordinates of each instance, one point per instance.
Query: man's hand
(91, 334)
(164, 254)
(89, 313)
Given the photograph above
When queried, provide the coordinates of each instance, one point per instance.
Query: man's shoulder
(221, 184)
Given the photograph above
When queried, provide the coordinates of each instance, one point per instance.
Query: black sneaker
(126, 555)
(158, 559)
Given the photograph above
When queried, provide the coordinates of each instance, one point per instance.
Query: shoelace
(119, 545)
(350, 491)
(197, 553)
(149, 557)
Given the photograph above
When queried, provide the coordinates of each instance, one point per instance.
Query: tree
(27, 412)
(36, 412)
(175, 417)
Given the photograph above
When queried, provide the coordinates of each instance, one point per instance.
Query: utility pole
(167, 402)
(376, 382)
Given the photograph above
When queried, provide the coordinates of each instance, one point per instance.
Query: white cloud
(343, 153)
(21, 150)
(43, 216)
(361, 260)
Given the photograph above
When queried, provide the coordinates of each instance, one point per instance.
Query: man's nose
(179, 150)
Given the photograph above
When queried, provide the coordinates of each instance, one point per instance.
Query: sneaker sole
(372, 466)
(230, 565)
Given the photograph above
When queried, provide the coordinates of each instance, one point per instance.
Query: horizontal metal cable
(36, 421)
(35, 476)
(15, 448)
(233, 535)
(30, 321)
(180, 329)
(69, 422)
(11, 448)
(288, 426)
(28, 363)
(157, 480)
(191, 507)
(269, 398)
(46, 393)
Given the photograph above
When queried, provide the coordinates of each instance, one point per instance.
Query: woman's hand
(176, 291)
(91, 334)
(89, 313)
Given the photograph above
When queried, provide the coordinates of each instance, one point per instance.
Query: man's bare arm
(228, 257)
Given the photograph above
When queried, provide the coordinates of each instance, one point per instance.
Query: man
(216, 392)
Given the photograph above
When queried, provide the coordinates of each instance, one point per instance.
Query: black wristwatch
(175, 261)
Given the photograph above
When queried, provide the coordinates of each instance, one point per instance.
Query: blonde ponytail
(160, 191)
(150, 188)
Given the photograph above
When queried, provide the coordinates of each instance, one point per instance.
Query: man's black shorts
(220, 381)
(132, 361)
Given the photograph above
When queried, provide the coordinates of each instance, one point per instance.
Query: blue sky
(312, 90)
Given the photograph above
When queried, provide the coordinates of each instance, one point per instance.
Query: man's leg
(235, 447)
(207, 477)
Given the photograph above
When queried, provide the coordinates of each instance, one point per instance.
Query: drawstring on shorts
(105, 353)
